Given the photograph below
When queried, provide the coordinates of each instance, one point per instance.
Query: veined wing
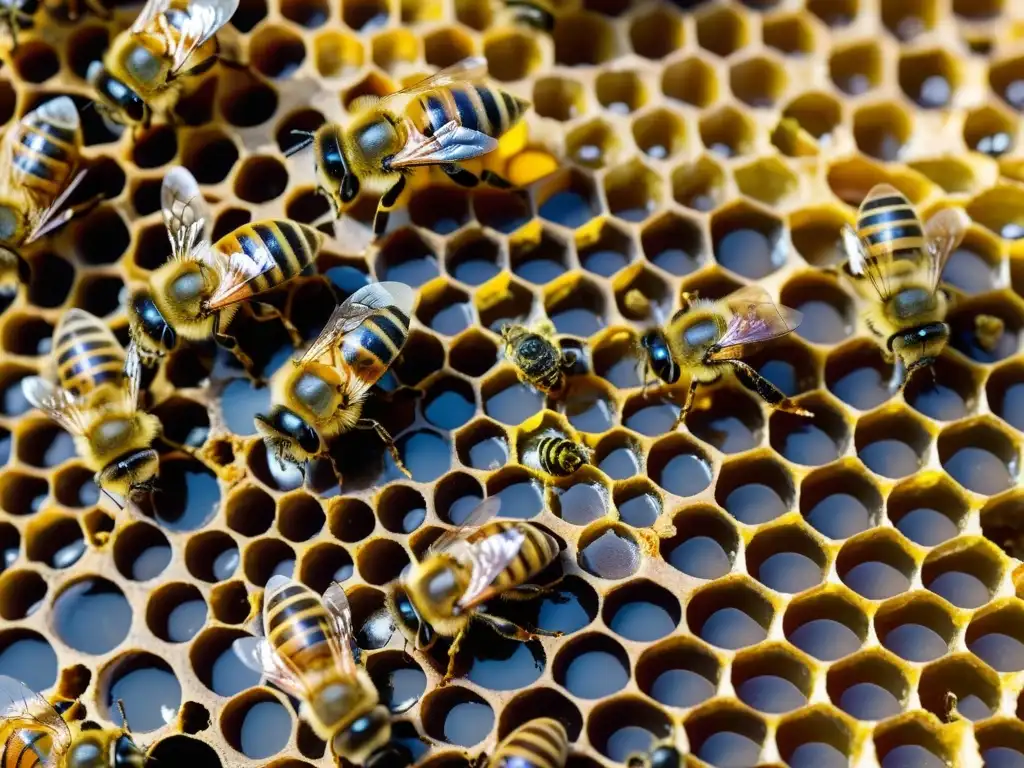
(361, 305)
(23, 709)
(202, 20)
(755, 320)
(340, 613)
(482, 512)
(489, 557)
(186, 215)
(55, 402)
(238, 270)
(884, 219)
(257, 655)
(469, 70)
(942, 234)
(62, 112)
(132, 377)
(450, 143)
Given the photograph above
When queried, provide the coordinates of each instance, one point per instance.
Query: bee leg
(388, 441)
(513, 631)
(764, 389)
(460, 176)
(270, 312)
(530, 591)
(387, 202)
(98, 9)
(494, 180)
(687, 405)
(230, 343)
(453, 652)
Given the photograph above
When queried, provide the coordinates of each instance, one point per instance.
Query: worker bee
(441, 120)
(559, 456)
(39, 159)
(705, 338)
(317, 399)
(988, 330)
(197, 292)
(664, 754)
(35, 735)
(307, 651)
(91, 389)
(145, 65)
(895, 264)
(442, 594)
(539, 743)
(537, 359)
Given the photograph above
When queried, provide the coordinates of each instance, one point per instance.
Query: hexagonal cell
(786, 559)
(986, 331)
(607, 550)
(815, 233)
(980, 456)
(868, 686)
(994, 635)
(789, 33)
(705, 543)
(699, 185)
(810, 441)
(892, 443)
(906, 19)
(748, 241)
(625, 725)
(1005, 389)
(559, 98)
(990, 130)
(773, 680)
(728, 418)
(577, 661)
(441, 209)
(730, 615)
(827, 625)
(620, 92)
(726, 735)
(840, 501)
(930, 78)
(679, 672)
(593, 144)
(767, 180)
(660, 134)
(364, 15)
(576, 306)
(814, 737)
(407, 258)
(916, 740)
(584, 38)
(722, 30)
(975, 687)
(727, 132)
(568, 198)
(757, 82)
(876, 565)
(1006, 78)
(679, 465)
(337, 54)
(927, 509)
(633, 191)
(949, 394)
(856, 69)
(916, 627)
(882, 130)
(641, 611)
(511, 55)
(834, 13)
(965, 574)
(692, 81)
(473, 257)
(656, 33)
(858, 375)
(276, 52)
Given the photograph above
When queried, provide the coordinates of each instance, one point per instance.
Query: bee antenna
(109, 495)
(306, 142)
(124, 716)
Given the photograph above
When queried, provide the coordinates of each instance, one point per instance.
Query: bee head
(130, 475)
(149, 329)
(363, 736)
(659, 356)
(334, 172)
(117, 102)
(415, 630)
(919, 347)
(287, 435)
(126, 753)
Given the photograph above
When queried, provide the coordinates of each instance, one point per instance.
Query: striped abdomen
(540, 743)
(478, 107)
(26, 748)
(887, 222)
(560, 456)
(371, 348)
(298, 629)
(292, 246)
(538, 551)
(86, 354)
(46, 149)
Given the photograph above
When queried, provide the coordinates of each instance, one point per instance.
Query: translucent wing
(132, 376)
(203, 18)
(756, 319)
(186, 215)
(942, 234)
(26, 710)
(468, 70)
(238, 270)
(55, 402)
(257, 655)
(362, 304)
(450, 143)
(61, 112)
(490, 556)
(484, 511)
(340, 614)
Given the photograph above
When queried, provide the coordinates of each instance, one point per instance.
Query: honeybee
(197, 292)
(144, 67)
(895, 265)
(35, 735)
(988, 330)
(539, 743)
(307, 651)
(442, 120)
(664, 754)
(538, 361)
(317, 399)
(479, 561)
(706, 338)
(39, 159)
(91, 389)
(559, 456)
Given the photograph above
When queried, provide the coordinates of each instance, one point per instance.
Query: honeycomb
(844, 590)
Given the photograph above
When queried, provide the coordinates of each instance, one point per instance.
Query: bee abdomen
(478, 107)
(538, 551)
(370, 349)
(26, 748)
(292, 246)
(86, 355)
(559, 456)
(540, 743)
(888, 223)
(297, 627)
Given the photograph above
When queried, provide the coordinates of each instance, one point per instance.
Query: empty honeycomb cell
(906, 19)
(473, 353)
(977, 265)
(157, 146)
(927, 509)
(966, 574)
(176, 612)
(456, 496)
(754, 490)
(979, 456)
(1006, 78)
(730, 614)
(511, 55)
(456, 715)
(10, 542)
(678, 672)
(52, 290)
(217, 666)
(766, 180)
(75, 608)
(381, 561)
(747, 240)
(290, 131)
(916, 740)
(660, 134)
(638, 503)
(21, 594)
(815, 738)
(141, 551)
(828, 311)
(656, 33)
(602, 252)
(442, 210)
(641, 611)
(36, 61)
(445, 308)
(449, 403)
(55, 540)
(812, 441)
(264, 558)
(399, 678)
(975, 686)
(584, 38)
(621, 92)
(915, 627)
(1000, 742)
(882, 130)
(815, 233)
(407, 258)
(229, 602)
(691, 81)
(790, 34)
(1005, 390)
(679, 466)
(876, 565)
(727, 132)
(990, 130)
(772, 680)
(30, 656)
(473, 257)
(949, 394)
(147, 688)
(994, 637)
(364, 15)
(892, 443)
(576, 306)
(868, 686)
(502, 210)
(44, 444)
(559, 98)
(722, 30)
(337, 54)
(786, 559)
(99, 295)
(256, 724)
(249, 103)
(757, 82)
(482, 445)
(729, 419)
(840, 501)
(300, 517)
(705, 543)
(726, 735)
(858, 375)
(146, 197)
(699, 185)
(22, 494)
(624, 726)
(986, 333)
(261, 179)
(930, 78)
(520, 493)
(523, 708)
(26, 334)
(446, 47)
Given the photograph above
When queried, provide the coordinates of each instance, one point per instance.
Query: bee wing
(481, 513)
(186, 215)
(942, 234)
(450, 143)
(755, 320)
(238, 269)
(468, 70)
(362, 304)
(132, 376)
(257, 655)
(490, 556)
(26, 710)
(55, 402)
(340, 613)
(203, 19)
